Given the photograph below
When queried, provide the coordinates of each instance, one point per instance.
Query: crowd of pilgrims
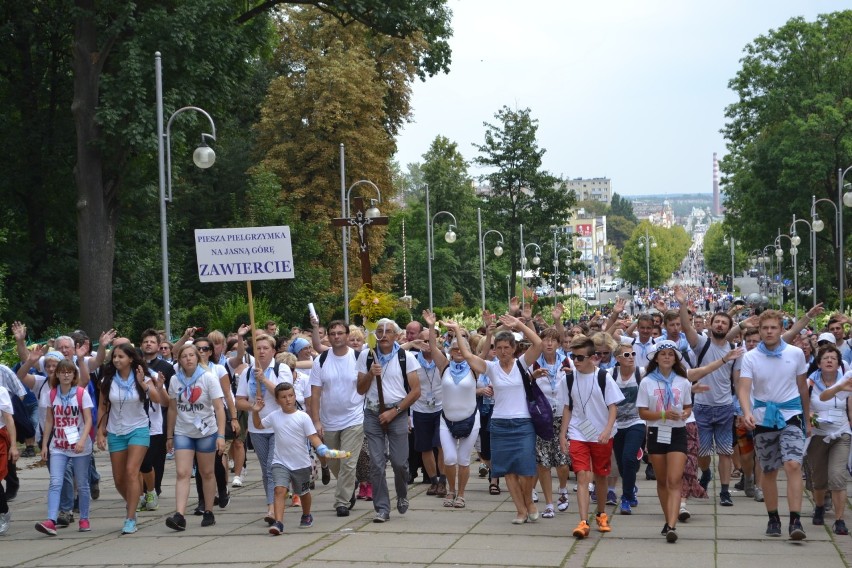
(666, 389)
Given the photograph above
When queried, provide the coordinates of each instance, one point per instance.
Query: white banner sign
(248, 253)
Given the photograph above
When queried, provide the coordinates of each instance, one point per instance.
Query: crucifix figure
(360, 222)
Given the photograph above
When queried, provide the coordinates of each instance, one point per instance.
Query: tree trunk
(96, 208)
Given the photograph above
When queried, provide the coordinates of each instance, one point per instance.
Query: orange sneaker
(582, 530)
(603, 522)
(297, 501)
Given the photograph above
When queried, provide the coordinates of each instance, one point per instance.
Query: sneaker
(199, 510)
(84, 525)
(666, 529)
(208, 519)
(483, 470)
(671, 536)
(749, 487)
(140, 506)
(129, 526)
(402, 505)
(433, 490)
(683, 515)
(706, 477)
(47, 527)
(819, 516)
(170, 455)
(297, 501)
(5, 519)
(625, 507)
(535, 496)
(649, 473)
(582, 530)
(796, 531)
(306, 522)
(839, 527)
(65, 518)
(152, 501)
(603, 522)
(381, 517)
(176, 522)
(758, 494)
(441, 491)
(276, 528)
(611, 498)
(548, 513)
(725, 499)
(773, 527)
(562, 502)
(342, 511)
(224, 499)
(237, 482)
(231, 465)
(634, 502)
(740, 485)
(94, 491)
(326, 475)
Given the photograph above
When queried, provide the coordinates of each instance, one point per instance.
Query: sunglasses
(628, 354)
(205, 349)
(579, 358)
(603, 353)
(164, 348)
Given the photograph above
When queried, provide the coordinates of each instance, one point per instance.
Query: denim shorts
(203, 445)
(138, 437)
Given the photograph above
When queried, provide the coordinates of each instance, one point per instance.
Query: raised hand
(514, 304)
(510, 321)
(557, 312)
(429, 318)
(815, 311)
(106, 337)
(19, 330)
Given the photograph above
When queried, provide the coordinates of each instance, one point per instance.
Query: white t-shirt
(651, 395)
(774, 378)
(5, 406)
(285, 375)
(68, 416)
(459, 399)
(719, 380)
(590, 403)
(126, 409)
(291, 437)
(627, 414)
(302, 387)
(555, 389)
(340, 404)
(510, 398)
(832, 414)
(40, 389)
(196, 417)
(430, 391)
(393, 387)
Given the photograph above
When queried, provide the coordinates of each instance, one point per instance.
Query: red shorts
(591, 456)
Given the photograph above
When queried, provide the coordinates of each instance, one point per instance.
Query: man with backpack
(714, 410)
(388, 378)
(338, 409)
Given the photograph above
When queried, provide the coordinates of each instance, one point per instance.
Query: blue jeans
(626, 446)
(59, 464)
(66, 502)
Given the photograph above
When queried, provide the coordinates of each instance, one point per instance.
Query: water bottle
(487, 401)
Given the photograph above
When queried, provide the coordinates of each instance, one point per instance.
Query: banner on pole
(247, 253)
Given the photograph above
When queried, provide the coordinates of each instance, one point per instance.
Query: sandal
(494, 489)
(736, 474)
(459, 503)
(449, 500)
(548, 513)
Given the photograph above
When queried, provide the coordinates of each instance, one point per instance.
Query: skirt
(512, 447)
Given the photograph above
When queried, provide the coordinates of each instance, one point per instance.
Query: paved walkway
(428, 535)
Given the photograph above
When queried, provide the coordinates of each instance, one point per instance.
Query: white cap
(826, 337)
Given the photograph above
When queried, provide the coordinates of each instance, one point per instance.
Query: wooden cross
(360, 221)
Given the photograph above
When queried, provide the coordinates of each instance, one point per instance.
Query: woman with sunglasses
(630, 433)
(165, 351)
(512, 433)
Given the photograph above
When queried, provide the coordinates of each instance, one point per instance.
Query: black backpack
(569, 380)
(400, 355)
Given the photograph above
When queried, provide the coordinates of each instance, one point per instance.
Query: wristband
(220, 437)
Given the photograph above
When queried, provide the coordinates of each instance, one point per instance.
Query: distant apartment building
(593, 189)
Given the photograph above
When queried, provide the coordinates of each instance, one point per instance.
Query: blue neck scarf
(427, 365)
(551, 369)
(775, 353)
(186, 384)
(816, 378)
(125, 385)
(65, 399)
(385, 359)
(668, 393)
(459, 371)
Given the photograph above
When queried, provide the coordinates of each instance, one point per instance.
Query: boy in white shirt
(291, 463)
(588, 425)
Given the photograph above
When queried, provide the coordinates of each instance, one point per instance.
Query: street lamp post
(843, 199)
(647, 242)
(371, 213)
(812, 245)
(449, 236)
(535, 261)
(779, 252)
(498, 251)
(767, 263)
(733, 253)
(203, 157)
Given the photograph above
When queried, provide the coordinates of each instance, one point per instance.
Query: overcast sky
(633, 90)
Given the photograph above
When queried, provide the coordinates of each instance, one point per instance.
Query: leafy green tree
(668, 249)
(717, 251)
(623, 208)
(618, 230)
(520, 192)
(790, 130)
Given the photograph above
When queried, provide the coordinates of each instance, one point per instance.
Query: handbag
(460, 428)
(541, 412)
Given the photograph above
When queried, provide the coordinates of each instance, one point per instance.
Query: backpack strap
(703, 353)
(53, 392)
(569, 381)
(638, 375)
(400, 356)
(602, 374)
(323, 356)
